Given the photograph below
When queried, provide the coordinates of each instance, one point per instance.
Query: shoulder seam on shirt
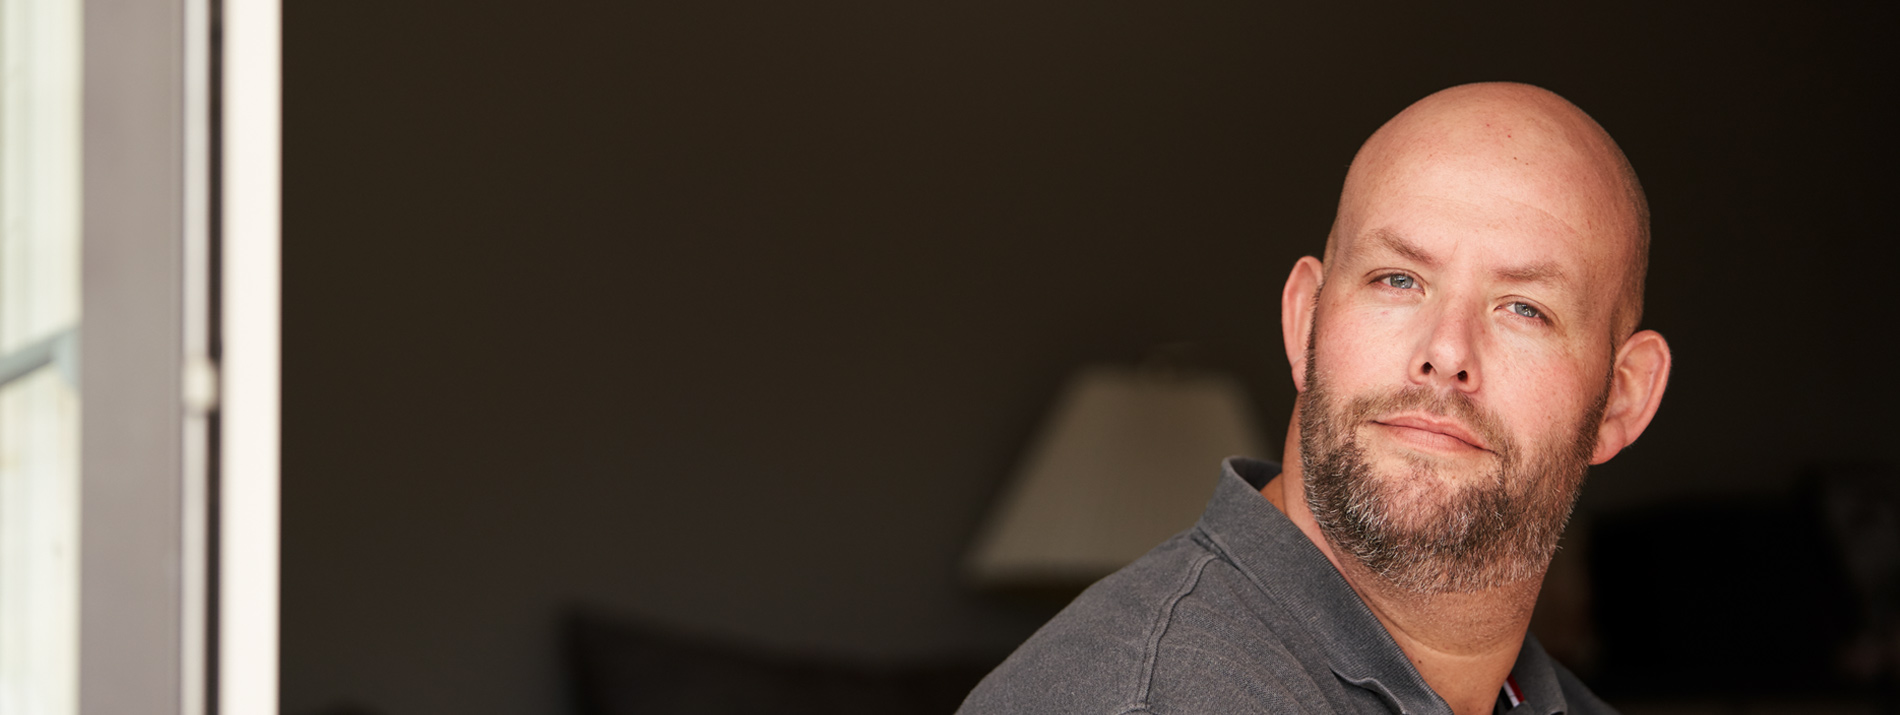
(1219, 547)
(1164, 617)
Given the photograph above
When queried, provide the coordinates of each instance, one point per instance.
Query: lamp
(1125, 459)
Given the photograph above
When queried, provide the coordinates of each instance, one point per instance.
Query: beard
(1428, 535)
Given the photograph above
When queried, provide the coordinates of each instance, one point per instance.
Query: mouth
(1433, 431)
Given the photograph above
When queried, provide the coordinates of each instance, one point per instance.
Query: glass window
(39, 314)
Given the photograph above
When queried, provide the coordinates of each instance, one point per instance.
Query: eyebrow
(1397, 244)
(1539, 272)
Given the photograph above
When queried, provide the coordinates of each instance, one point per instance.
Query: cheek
(1545, 394)
(1362, 346)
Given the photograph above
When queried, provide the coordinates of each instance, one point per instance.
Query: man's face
(1457, 370)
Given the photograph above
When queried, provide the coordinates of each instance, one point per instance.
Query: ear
(1636, 389)
(1296, 314)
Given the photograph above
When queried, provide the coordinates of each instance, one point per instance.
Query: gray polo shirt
(1239, 614)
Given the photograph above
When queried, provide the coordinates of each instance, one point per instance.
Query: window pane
(39, 308)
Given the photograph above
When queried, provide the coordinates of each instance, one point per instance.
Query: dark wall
(734, 315)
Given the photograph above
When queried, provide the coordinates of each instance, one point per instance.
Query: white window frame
(179, 426)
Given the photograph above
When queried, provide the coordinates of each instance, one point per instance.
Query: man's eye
(1400, 281)
(1526, 310)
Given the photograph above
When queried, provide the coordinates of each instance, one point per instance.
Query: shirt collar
(1535, 676)
(1279, 559)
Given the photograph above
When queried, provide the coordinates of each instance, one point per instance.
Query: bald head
(1516, 144)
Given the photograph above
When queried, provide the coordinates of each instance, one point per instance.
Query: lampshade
(1125, 459)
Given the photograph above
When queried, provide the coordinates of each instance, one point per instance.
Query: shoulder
(1175, 631)
(1093, 656)
(1577, 695)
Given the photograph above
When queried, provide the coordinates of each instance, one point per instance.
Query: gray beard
(1499, 528)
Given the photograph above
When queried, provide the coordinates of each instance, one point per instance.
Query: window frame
(179, 357)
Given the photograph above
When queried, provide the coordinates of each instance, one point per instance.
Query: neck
(1463, 644)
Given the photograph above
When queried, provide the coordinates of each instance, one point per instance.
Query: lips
(1437, 425)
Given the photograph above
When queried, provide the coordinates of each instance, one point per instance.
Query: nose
(1448, 358)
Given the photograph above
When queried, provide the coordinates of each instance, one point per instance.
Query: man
(1464, 352)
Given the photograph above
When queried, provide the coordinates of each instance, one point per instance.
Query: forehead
(1504, 191)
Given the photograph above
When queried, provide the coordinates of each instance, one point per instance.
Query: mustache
(1451, 405)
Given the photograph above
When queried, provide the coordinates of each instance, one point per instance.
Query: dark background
(732, 317)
